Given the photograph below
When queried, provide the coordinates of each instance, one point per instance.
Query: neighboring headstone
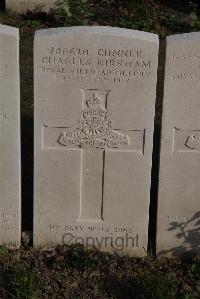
(179, 190)
(94, 114)
(22, 6)
(10, 164)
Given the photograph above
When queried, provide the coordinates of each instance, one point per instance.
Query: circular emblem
(95, 125)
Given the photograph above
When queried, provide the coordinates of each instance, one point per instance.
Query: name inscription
(189, 65)
(103, 65)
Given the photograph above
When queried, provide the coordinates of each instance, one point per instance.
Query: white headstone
(179, 190)
(10, 164)
(22, 6)
(94, 114)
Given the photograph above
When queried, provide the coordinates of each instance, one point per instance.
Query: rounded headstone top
(101, 30)
(183, 37)
(9, 30)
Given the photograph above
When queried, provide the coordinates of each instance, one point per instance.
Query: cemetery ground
(72, 271)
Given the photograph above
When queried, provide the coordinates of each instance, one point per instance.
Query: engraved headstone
(10, 178)
(179, 190)
(94, 111)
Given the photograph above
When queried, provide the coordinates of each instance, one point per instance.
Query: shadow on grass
(147, 285)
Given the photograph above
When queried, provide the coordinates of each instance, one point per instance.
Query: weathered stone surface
(94, 113)
(22, 6)
(10, 181)
(179, 189)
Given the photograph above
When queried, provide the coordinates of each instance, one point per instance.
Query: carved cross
(94, 135)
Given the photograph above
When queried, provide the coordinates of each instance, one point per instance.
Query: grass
(74, 272)
(21, 282)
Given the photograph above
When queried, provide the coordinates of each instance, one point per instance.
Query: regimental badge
(94, 128)
(193, 142)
